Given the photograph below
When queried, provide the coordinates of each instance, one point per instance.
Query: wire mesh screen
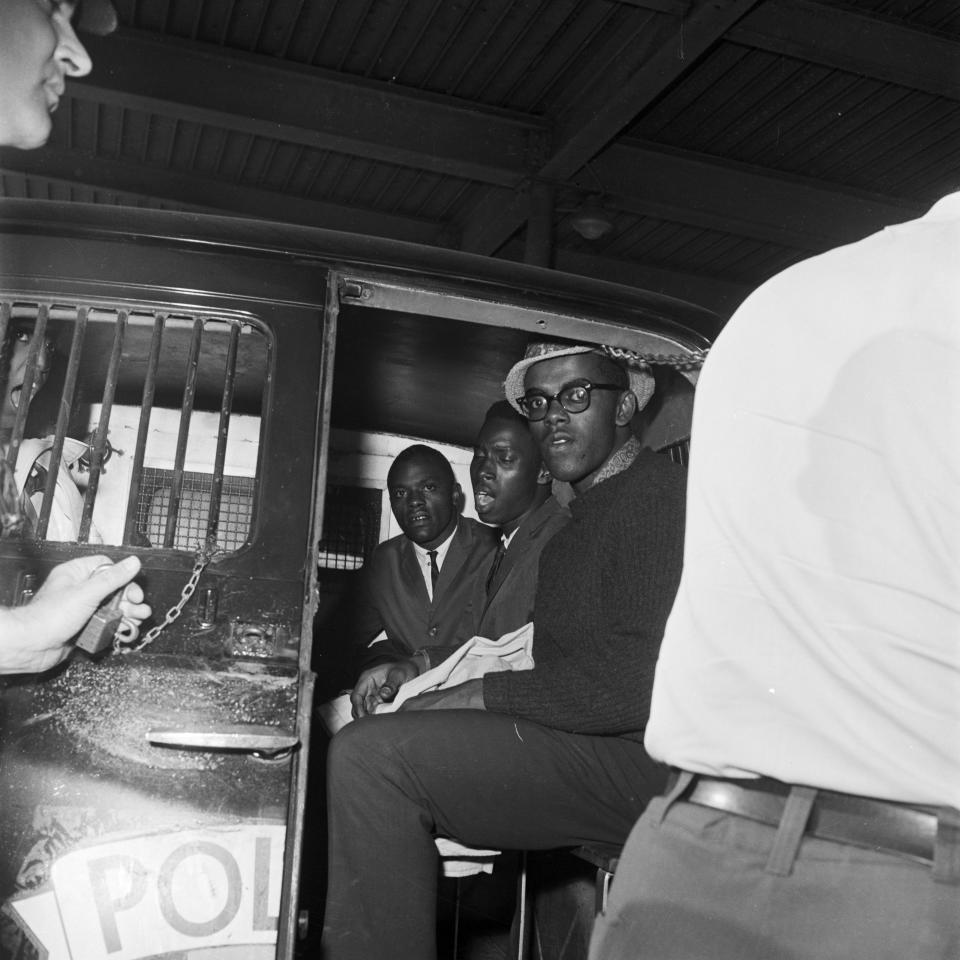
(351, 527)
(233, 521)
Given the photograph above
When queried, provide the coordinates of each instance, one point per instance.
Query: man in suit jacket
(418, 590)
(511, 490)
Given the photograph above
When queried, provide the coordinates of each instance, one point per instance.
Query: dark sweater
(605, 587)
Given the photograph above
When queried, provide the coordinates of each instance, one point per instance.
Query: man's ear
(458, 498)
(626, 408)
(544, 476)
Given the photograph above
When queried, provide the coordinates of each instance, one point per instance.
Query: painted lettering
(135, 876)
(169, 909)
(261, 886)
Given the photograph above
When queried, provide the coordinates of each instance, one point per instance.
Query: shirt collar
(441, 549)
(619, 461)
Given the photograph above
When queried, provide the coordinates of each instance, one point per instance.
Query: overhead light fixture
(590, 219)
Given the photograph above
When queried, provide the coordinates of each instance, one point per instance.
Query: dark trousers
(488, 780)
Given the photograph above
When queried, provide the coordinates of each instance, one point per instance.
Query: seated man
(511, 490)
(535, 759)
(416, 591)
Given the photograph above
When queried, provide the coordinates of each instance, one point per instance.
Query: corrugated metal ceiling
(725, 138)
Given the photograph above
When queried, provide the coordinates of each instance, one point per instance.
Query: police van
(222, 398)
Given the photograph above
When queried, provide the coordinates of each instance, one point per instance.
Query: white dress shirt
(423, 558)
(815, 636)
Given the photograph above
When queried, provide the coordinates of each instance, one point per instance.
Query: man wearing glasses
(537, 759)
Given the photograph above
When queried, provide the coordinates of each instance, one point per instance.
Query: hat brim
(513, 385)
(641, 381)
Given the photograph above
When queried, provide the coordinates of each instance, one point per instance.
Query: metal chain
(679, 361)
(204, 555)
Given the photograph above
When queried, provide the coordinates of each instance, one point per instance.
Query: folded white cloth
(474, 658)
(459, 860)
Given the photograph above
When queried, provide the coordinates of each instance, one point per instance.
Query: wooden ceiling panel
(936, 16)
(726, 138)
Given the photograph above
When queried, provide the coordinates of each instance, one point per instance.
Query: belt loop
(680, 786)
(946, 848)
(793, 822)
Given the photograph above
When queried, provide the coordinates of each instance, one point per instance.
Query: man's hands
(464, 696)
(34, 638)
(380, 684)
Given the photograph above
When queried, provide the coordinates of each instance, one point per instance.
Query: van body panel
(132, 783)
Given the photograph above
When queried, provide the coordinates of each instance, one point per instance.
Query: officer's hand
(36, 635)
(380, 684)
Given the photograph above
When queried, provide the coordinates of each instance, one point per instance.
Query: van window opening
(153, 418)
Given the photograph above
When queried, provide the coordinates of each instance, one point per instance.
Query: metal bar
(100, 440)
(63, 420)
(296, 812)
(189, 391)
(29, 381)
(5, 309)
(226, 405)
(143, 429)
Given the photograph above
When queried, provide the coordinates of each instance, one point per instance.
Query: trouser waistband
(924, 834)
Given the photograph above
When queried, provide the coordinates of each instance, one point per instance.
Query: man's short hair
(418, 450)
(502, 410)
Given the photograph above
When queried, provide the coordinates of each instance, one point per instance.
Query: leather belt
(899, 828)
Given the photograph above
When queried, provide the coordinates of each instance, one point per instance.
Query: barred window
(127, 425)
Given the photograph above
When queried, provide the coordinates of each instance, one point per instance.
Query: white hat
(641, 379)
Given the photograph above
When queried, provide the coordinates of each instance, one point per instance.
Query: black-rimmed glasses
(573, 397)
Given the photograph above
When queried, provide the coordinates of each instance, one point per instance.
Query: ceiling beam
(685, 187)
(310, 107)
(187, 189)
(649, 61)
(855, 42)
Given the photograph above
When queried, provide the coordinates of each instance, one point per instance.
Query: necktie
(495, 566)
(434, 569)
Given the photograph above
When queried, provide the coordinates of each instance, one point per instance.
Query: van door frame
(442, 299)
